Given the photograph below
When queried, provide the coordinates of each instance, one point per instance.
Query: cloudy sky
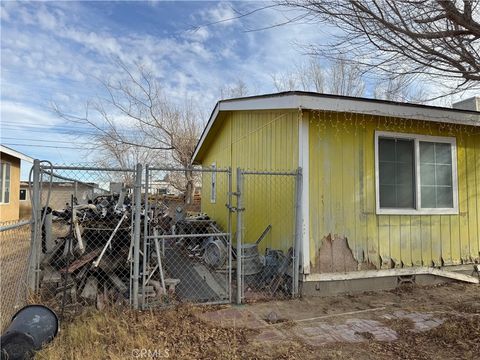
(55, 52)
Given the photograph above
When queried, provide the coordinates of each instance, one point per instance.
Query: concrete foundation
(351, 286)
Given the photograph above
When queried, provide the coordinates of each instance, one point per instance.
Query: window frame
(213, 184)
(3, 187)
(418, 210)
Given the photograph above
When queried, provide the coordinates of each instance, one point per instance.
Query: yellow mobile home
(387, 188)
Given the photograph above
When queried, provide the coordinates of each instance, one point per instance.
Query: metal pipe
(96, 262)
(176, 236)
(14, 226)
(209, 170)
(298, 220)
(229, 230)
(86, 168)
(145, 236)
(36, 216)
(136, 234)
(239, 235)
(290, 173)
(159, 261)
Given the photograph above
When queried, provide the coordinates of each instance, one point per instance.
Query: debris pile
(89, 264)
(181, 255)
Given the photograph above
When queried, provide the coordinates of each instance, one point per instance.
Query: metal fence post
(239, 235)
(229, 230)
(36, 216)
(136, 234)
(145, 236)
(298, 222)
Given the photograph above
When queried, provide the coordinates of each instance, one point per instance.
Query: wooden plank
(77, 264)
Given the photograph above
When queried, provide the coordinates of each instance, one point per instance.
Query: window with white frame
(213, 184)
(415, 174)
(4, 182)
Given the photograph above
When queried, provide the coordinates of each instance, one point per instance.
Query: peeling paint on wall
(335, 255)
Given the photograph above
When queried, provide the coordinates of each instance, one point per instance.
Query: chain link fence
(142, 237)
(153, 237)
(267, 236)
(15, 239)
(186, 240)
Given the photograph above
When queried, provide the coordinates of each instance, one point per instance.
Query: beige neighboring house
(10, 195)
(61, 194)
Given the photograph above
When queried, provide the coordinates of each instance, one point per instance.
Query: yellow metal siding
(255, 140)
(343, 203)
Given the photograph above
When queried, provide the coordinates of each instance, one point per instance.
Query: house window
(415, 174)
(213, 184)
(23, 194)
(4, 182)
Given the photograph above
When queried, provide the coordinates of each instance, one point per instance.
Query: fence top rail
(280, 173)
(15, 225)
(217, 170)
(67, 178)
(88, 168)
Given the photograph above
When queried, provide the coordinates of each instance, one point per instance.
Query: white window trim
(3, 183)
(213, 179)
(418, 210)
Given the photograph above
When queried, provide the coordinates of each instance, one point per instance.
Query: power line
(46, 146)
(38, 140)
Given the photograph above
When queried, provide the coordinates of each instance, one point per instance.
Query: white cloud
(20, 113)
(221, 14)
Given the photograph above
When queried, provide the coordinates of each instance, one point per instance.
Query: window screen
(396, 173)
(436, 175)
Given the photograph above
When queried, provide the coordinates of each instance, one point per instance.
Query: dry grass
(176, 333)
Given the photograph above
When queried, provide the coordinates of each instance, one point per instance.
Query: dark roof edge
(333, 96)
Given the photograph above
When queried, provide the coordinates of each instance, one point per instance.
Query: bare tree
(440, 38)
(135, 122)
(346, 79)
(399, 88)
(339, 77)
(238, 89)
(306, 76)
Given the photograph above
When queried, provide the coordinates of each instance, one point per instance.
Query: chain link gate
(186, 243)
(267, 235)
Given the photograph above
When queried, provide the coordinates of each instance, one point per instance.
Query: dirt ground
(441, 322)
